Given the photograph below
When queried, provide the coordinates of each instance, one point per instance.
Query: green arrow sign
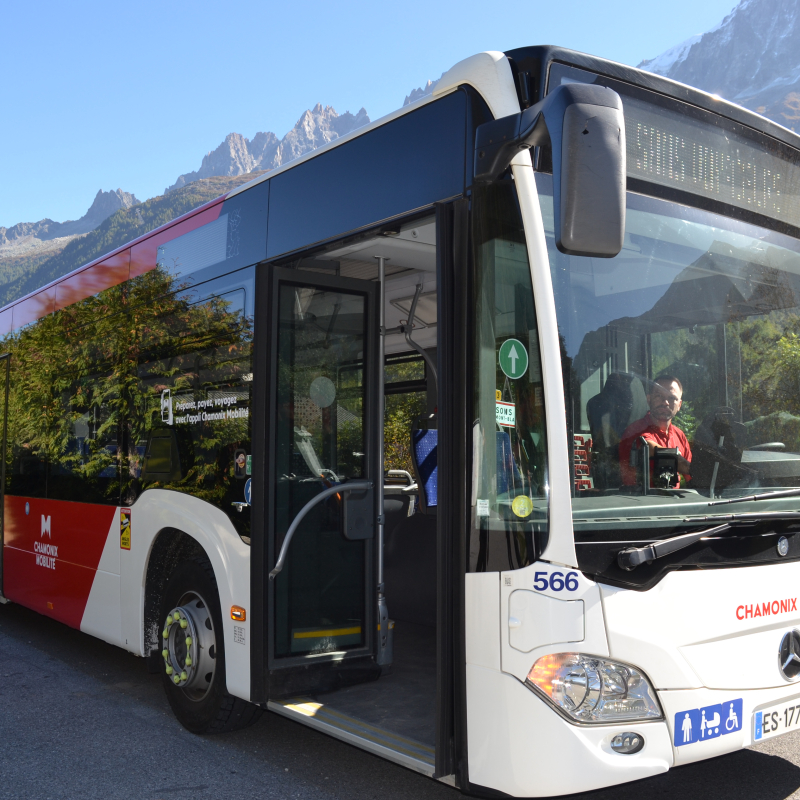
(513, 358)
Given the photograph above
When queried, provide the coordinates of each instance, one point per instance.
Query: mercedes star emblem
(789, 657)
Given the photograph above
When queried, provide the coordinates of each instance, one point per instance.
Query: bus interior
(325, 399)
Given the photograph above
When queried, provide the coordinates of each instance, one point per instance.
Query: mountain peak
(422, 91)
(107, 203)
(237, 155)
(104, 205)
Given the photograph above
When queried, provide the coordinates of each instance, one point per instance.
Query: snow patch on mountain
(663, 63)
(752, 58)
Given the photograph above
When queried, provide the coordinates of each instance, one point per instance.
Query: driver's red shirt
(647, 427)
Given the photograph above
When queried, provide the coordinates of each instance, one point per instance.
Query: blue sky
(101, 95)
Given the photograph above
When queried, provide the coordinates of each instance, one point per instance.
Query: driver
(657, 429)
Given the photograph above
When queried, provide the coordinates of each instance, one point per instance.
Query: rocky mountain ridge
(103, 206)
(28, 250)
(238, 155)
(421, 91)
(31, 253)
(751, 58)
(18, 278)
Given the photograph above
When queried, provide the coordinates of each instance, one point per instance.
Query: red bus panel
(52, 549)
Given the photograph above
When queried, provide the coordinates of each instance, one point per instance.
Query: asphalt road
(82, 719)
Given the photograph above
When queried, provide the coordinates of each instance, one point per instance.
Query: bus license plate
(776, 720)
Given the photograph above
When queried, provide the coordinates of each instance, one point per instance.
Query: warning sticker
(125, 529)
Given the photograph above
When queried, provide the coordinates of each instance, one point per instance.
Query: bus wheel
(193, 653)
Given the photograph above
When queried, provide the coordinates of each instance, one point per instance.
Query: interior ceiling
(413, 247)
(411, 260)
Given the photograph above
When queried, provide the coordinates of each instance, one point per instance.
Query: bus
(471, 439)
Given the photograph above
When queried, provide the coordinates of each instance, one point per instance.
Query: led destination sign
(671, 149)
(672, 144)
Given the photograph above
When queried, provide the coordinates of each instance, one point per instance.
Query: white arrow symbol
(512, 355)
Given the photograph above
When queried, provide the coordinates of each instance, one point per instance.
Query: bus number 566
(556, 581)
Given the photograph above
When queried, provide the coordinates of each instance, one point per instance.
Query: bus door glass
(325, 335)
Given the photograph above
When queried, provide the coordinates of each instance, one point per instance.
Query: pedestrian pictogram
(513, 358)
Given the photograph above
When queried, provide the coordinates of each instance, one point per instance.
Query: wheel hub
(189, 646)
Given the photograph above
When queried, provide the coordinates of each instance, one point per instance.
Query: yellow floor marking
(320, 633)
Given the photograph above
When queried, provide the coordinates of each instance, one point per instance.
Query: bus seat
(424, 444)
(508, 474)
(621, 401)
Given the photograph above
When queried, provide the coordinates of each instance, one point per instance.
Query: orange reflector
(238, 613)
(49, 605)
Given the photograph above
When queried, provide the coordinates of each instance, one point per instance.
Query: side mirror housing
(585, 127)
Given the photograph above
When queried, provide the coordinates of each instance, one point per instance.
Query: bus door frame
(454, 352)
(7, 358)
(454, 355)
(264, 557)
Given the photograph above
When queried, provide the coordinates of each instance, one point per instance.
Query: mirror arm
(498, 141)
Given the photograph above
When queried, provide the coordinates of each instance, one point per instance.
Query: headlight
(594, 690)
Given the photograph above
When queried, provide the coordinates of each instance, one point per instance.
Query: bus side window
(65, 401)
(194, 375)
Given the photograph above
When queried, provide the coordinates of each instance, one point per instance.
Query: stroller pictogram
(709, 725)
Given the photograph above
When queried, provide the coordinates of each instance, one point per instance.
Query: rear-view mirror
(584, 125)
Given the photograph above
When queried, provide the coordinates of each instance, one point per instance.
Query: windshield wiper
(632, 557)
(765, 496)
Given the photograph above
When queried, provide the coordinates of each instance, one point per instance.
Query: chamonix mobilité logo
(46, 553)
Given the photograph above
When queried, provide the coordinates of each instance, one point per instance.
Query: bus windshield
(681, 362)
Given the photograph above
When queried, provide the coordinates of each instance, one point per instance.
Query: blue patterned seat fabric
(508, 475)
(425, 458)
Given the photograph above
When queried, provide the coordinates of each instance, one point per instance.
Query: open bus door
(330, 659)
(323, 478)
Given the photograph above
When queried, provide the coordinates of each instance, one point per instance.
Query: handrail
(404, 472)
(340, 489)
(411, 342)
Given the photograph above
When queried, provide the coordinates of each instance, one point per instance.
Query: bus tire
(193, 653)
